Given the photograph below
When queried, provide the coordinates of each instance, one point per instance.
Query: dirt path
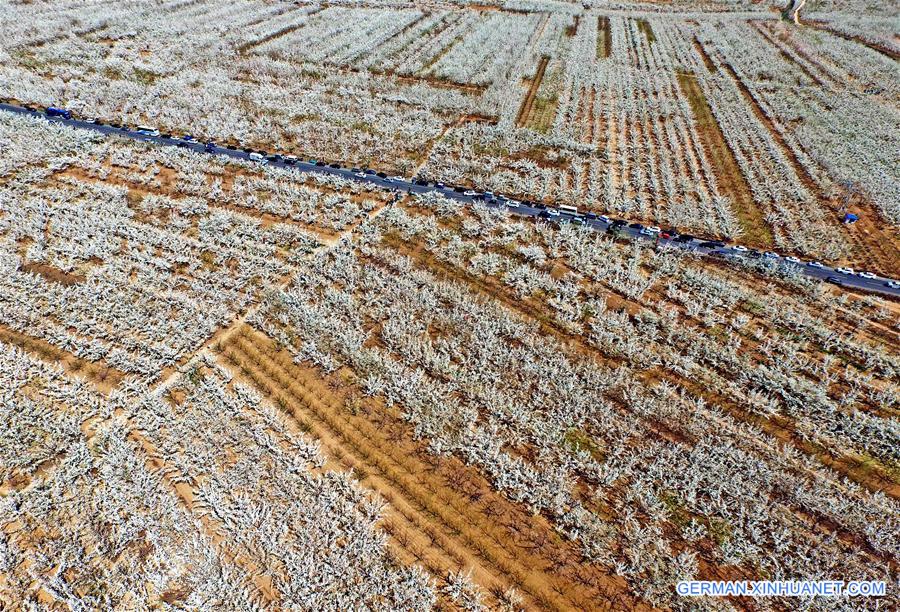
(528, 102)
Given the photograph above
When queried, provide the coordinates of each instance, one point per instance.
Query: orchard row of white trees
(480, 382)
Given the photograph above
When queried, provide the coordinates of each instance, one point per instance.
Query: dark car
(712, 244)
(616, 223)
(684, 238)
(835, 280)
(420, 182)
(381, 175)
(209, 147)
(273, 157)
(754, 254)
(636, 226)
(320, 163)
(590, 215)
(334, 165)
(540, 206)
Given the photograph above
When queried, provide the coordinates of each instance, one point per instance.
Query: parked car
(867, 275)
(834, 280)
(513, 203)
(892, 284)
(739, 248)
(684, 238)
(771, 255)
(815, 264)
(636, 226)
(712, 244)
(552, 212)
(792, 259)
(53, 111)
(848, 271)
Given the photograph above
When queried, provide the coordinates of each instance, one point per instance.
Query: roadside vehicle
(848, 271)
(335, 166)
(572, 210)
(792, 259)
(513, 203)
(645, 232)
(636, 226)
(273, 158)
(188, 138)
(319, 163)
(210, 147)
(771, 255)
(671, 231)
(470, 193)
(257, 157)
(665, 235)
(420, 182)
(590, 215)
(360, 174)
(834, 280)
(93, 121)
(653, 229)
(488, 194)
(815, 264)
(147, 130)
(684, 238)
(396, 179)
(540, 206)
(552, 212)
(53, 111)
(867, 275)
(603, 218)
(712, 244)
(739, 248)
(291, 158)
(440, 186)
(892, 284)
(577, 221)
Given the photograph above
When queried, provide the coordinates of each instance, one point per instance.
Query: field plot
(102, 514)
(133, 256)
(546, 101)
(585, 380)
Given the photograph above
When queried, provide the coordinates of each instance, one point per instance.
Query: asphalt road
(849, 281)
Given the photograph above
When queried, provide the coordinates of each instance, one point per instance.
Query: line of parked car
(558, 214)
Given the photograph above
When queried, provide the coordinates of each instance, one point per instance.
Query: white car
(513, 203)
(893, 284)
(552, 212)
(604, 219)
(792, 259)
(361, 174)
(653, 230)
(396, 179)
(868, 275)
(815, 264)
(771, 255)
(470, 193)
(739, 248)
(293, 158)
(257, 157)
(844, 270)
